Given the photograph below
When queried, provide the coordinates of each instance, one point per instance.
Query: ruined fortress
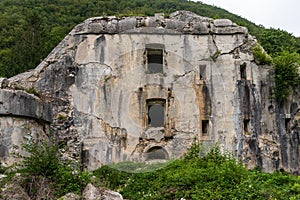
(144, 88)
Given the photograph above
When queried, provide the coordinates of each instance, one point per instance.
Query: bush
(213, 176)
(44, 163)
(43, 159)
(286, 74)
(260, 55)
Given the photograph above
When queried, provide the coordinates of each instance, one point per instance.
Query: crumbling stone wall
(23, 118)
(104, 78)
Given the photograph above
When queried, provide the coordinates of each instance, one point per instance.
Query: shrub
(43, 159)
(260, 55)
(44, 163)
(213, 176)
(33, 91)
(286, 74)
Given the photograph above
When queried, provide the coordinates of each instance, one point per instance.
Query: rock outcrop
(93, 193)
(14, 191)
(144, 88)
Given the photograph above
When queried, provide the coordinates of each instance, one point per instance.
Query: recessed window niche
(154, 58)
(156, 112)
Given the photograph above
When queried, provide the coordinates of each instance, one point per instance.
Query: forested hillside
(30, 29)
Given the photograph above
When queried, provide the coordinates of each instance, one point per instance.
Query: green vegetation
(33, 91)
(62, 117)
(44, 163)
(30, 29)
(276, 41)
(261, 56)
(214, 176)
(285, 49)
(210, 176)
(215, 55)
(286, 74)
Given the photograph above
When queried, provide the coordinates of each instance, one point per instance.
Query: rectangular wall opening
(156, 112)
(205, 127)
(287, 124)
(243, 71)
(202, 70)
(246, 125)
(154, 60)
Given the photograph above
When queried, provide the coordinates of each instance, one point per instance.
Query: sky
(282, 14)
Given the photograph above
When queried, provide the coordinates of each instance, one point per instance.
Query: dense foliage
(286, 74)
(200, 174)
(214, 176)
(276, 41)
(260, 55)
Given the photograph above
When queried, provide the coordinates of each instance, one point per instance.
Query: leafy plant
(33, 91)
(43, 159)
(213, 176)
(260, 55)
(44, 162)
(286, 74)
(276, 41)
(215, 55)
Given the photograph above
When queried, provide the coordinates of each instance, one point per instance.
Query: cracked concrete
(98, 84)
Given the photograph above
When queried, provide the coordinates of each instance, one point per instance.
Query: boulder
(94, 193)
(70, 196)
(13, 191)
(222, 22)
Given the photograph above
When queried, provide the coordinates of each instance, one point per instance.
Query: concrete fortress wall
(144, 88)
(23, 117)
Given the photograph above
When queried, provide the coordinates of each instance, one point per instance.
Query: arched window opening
(156, 153)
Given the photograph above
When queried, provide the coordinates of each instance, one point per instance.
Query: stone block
(222, 22)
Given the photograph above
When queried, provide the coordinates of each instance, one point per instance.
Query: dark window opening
(287, 124)
(246, 125)
(205, 125)
(155, 60)
(157, 153)
(243, 71)
(156, 113)
(202, 69)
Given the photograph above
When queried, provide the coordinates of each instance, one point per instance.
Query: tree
(276, 41)
(286, 74)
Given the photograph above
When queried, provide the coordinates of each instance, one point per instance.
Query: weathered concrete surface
(23, 117)
(98, 82)
(14, 131)
(22, 104)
